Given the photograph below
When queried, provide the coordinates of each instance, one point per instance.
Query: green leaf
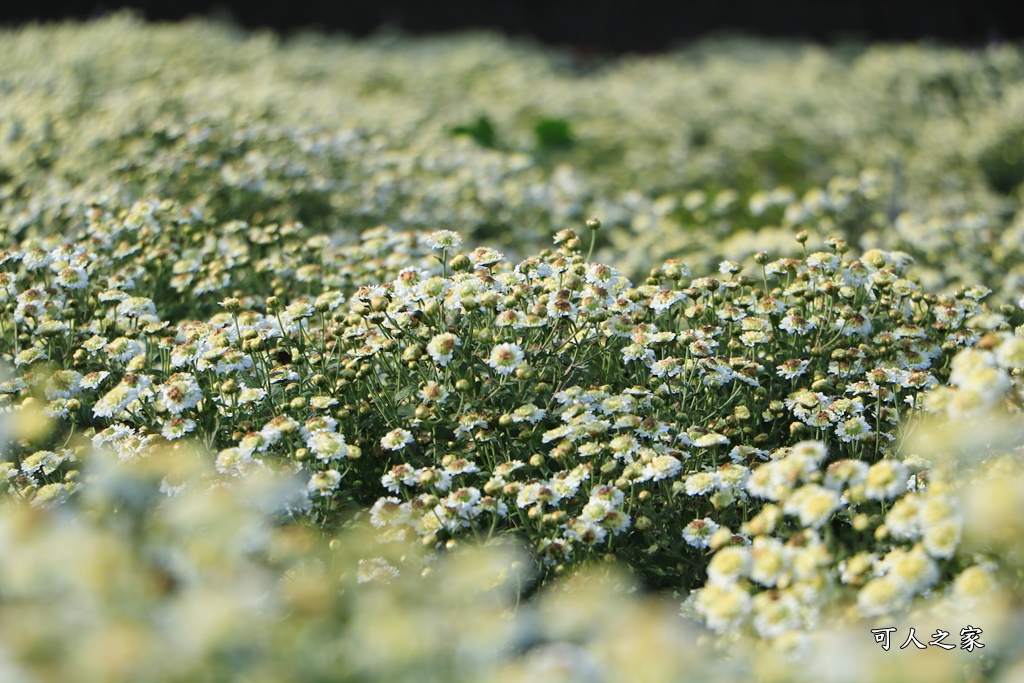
(482, 131)
(553, 135)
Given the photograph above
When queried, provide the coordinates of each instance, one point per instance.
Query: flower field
(461, 359)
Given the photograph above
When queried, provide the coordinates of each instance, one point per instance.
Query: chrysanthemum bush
(552, 399)
(191, 565)
(272, 426)
(910, 148)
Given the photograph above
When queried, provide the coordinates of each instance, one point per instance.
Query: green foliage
(553, 135)
(1002, 162)
(482, 131)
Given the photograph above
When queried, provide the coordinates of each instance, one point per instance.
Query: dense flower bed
(252, 433)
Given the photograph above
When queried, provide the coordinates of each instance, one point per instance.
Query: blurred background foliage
(725, 147)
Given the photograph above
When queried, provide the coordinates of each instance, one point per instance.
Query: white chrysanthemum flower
(485, 257)
(942, 538)
(179, 393)
(639, 352)
(279, 426)
(462, 502)
(769, 561)
(1010, 353)
(327, 445)
(811, 451)
(776, 613)
(505, 358)
(461, 466)
(63, 384)
(389, 511)
(324, 483)
(404, 474)
(710, 440)
(729, 565)
(109, 295)
(912, 570)
(433, 392)
(723, 607)
(396, 439)
(177, 428)
(528, 413)
(36, 258)
(972, 584)
(247, 395)
(853, 570)
(376, 570)
(813, 504)
(881, 596)
(253, 442)
(443, 239)
(442, 347)
(661, 467)
(94, 343)
(50, 496)
(322, 402)
(30, 356)
(115, 400)
(794, 323)
(885, 479)
(449, 518)
(665, 299)
(667, 367)
(845, 473)
(231, 461)
(585, 531)
(824, 260)
(698, 532)
(329, 300)
(903, 518)
(297, 311)
(700, 483)
(231, 360)
(123, 349)
(603, 276)
(318, 423)
(45, 462)
(538, 492)
(72, 278)
(94, 379)
(624, 446)
(792, 368)
(854, 429)
(136, 307)
(619, 403)
(617, 522)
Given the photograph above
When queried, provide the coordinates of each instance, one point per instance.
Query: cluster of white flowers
(203, 280)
